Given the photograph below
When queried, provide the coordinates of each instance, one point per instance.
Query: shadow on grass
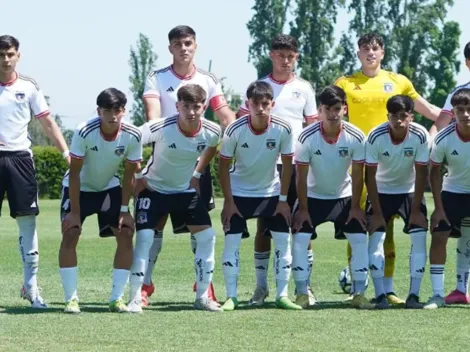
(18, 310)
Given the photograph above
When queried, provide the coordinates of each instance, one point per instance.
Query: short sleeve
(408, 88)
(216, 95)
(38, 103)
(134, 152)
(151, 131)
(243, 109)
(78, 145)
(287, 143)
(310, 109)
(359, 151)
(215, 138)
(302, 152)
(152, 89)
(229, 144)
(447, 109)
(438, 151)
(372, 152)
(422, 152)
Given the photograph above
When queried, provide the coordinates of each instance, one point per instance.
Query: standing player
(171, 184)
(160, 101)
(324, 154)
(252, 188)
(397, 155)
(91, 187)
(451, 196)
(367, 94)
(295, 103)
(20, 97)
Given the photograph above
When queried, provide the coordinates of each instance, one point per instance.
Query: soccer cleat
(381, 302)
(210, 292)
(360, 301)
(435, 302)
(146, 292)
(393, 299)
(71, 307)
(412, 302)
(311, 297)
(348, 299)
(230, 304)
(135, 306)
(34, 297)
(287, 304)
(258, 297)
(303, 301)
(457, 297)
(207, 304)
(118, 306)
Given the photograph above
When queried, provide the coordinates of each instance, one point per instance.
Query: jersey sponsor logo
(172, 146)
(270, 144)
(386, 154)
(95, 148)
(343, 152)
(370, 100)
(201, 146)
(245, 145)
(408, 152)
(388, 87)
(170, 89)
(454, 152)
(20, 96)
(119, 151)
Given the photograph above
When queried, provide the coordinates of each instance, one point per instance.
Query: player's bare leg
(68, 268)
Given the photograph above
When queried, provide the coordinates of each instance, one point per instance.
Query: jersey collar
(462, 138)
(188, 77)
(255, 132)
(282, 82)
(322, 131)
(9, 83)
(112, 138)
(394, 141)
(187, 134)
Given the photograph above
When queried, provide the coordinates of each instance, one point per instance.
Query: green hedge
(51, 167)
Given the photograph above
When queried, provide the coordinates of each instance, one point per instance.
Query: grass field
(170, 324)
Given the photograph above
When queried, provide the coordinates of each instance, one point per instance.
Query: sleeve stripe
(42, 114)
(243, 109)
(421, 163)
(447, 112)
(301, 163)
(134, 161)
(225, 157)
(311, 117)
(371, 164)
(75, 156)
(358, 161)
(150, 95)
(434, 163)
(290, 154)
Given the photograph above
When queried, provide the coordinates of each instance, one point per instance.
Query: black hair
(399, 103)
(180, 32)
(331, 95)
(192, 93)
(466, 51)
(8, 41)
(259, 90)
(369, 39)
(284, 42)
(111, 98)
(461, 97)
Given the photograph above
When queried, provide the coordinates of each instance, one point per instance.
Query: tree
(142, 61)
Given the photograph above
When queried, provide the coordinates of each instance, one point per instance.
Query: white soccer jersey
(328, 176)
(174, 154)
(294, 101)
(448, 106)
(254, 172)
(163, 84)
(19, 100)
(103, 157)
(395, 162)
(448, 145)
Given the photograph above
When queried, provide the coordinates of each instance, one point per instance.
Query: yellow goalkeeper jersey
(367, 96)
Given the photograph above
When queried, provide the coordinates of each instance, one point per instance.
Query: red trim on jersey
(189, 134)
(447, 112)
(394, 141)
(218, 102)
(358, 161)
(225, 157)
(151, 96)
(134, 161)
(322, 131)
(42, 114)
(462, 138)
(113, 137)
(292, 78)
(311, 117)
(434, 163)
(10, 82)
(72, 155)
(256, 132)
(290, 154)
(421, 163)
(243, 110)
(301, 163)
(371, 164)
(191, 75)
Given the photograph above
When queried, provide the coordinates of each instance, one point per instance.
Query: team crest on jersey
(270, 144)
(408, 152)
(119, 150)
(343, 152)
(20, 96)
(141, 218)
(296, 95)
(201, 146)
(388, 87)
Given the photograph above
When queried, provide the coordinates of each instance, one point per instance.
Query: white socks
(300, 264)
(69, 278)
(204, 261)
(153, 255)
(28, 246)
(377, 261)
(231, 263)
(418, 257)
(359, 260)
(463, 262)
(282, 261)
(193, 244)
(261, 268)
(143, 242)
(120, 278)
(437, 279)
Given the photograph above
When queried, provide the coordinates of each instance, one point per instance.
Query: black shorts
(18, 181)
(106, 204)
(457, 207)
(151, 206)
(261, 208)
(207, 196)
(334, 210)
(397, 204)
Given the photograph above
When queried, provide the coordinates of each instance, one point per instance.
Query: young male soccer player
(451, 196)
(367, 93)
(20, 98)
(252, 188)
(171, 181)
(160, 101)
(397, 155)
(324, 154)
(91, 187)
(295, 103)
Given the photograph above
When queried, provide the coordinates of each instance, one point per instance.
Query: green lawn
(170, 324)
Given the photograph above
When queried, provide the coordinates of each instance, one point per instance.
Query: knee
(124, 237)
(70, 239)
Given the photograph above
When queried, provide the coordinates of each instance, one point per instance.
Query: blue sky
(76, 49)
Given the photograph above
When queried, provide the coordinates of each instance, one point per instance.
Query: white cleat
(135, 306)
(34, 297)
(435, 302)
(258, 297)
(311, 298)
